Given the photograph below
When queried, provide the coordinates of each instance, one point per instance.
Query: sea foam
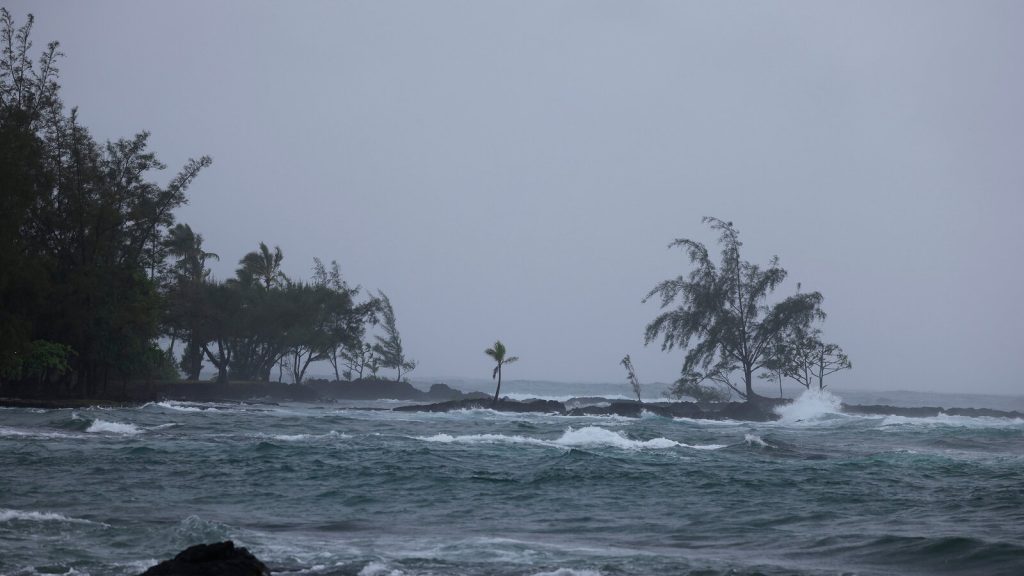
(953, 421)
(755, 440)
(379, 569)
(585, 437)
(112, 427)
(8, 515)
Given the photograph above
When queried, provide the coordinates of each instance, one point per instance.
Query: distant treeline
(94, 270)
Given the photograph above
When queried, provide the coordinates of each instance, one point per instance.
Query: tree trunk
(497, 390)
(748, 380)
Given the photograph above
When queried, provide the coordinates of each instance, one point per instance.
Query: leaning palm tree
(497, 353)
(187, 246)
(262, 268)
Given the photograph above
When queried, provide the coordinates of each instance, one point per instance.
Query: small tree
(389, 347)
(356, 360)
(631, 376)
(497, 353)
(808, 360)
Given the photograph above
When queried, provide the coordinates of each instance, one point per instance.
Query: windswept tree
(356, 361)
(721, 316)
(631, 376)
(389, 347)
(346, 326)
(497, 353)
(184, 291)
(186, 247)
(263, 268)
(326, 318)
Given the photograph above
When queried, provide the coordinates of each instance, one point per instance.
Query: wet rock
(747, 411)
(627, 409)
(503, 405)
(219, 559)
(927, 411)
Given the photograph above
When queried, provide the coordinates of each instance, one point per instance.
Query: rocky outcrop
(387, 390)
(219, 559)
(927, 411)
(200, 391)
(758, 411)
(503, 405)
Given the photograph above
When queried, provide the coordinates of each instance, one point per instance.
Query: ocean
(355, 489)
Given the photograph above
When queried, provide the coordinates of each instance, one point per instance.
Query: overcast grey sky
(515, 170)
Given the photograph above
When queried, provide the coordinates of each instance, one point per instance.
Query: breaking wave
(99, 426)
(811, 405)
(9, 515)
(585, 437)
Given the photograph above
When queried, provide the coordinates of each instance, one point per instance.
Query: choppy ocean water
(352, 489)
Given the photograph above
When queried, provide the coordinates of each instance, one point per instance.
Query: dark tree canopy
(94, 269)
(721, 316)
(83, 229)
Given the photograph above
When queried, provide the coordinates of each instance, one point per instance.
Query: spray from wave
(811, 405)
(112, 427)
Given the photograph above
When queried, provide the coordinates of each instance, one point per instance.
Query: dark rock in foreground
(219, 559)
(503, 405)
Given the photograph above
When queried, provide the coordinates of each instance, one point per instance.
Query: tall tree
(346, 323)
(497, 353)
(184, 294)
(389, 347)
(262, 331)
(723, 311)
(89, 220)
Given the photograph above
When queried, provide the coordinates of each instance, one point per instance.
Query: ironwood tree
(720, 314)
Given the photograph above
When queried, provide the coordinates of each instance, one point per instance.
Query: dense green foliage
(94, 270)
(81, 232)
(724, 320)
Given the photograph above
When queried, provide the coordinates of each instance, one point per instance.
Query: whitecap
(112, 427)
(585, 437)
(943, 419)
(484, 439)
(755, 440)
(379, 569)
(301, 437)
(28, 433)
(8, 515)
(595, 436)
(569, 572)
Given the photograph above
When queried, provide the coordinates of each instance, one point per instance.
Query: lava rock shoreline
(761, 411)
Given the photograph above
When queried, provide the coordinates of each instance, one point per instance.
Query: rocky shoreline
(443, 398)
(760, 411)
